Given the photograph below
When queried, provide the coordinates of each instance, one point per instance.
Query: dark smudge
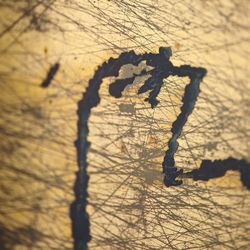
(51, 74)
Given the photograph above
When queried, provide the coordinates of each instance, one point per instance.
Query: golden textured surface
(129, 206)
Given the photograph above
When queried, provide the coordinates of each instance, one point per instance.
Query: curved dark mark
(51, 74)
(162, 68)
(218, 168)
(189, 99)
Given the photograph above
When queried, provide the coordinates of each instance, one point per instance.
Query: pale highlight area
(129, 206)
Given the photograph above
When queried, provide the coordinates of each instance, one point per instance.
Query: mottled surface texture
(49, 52)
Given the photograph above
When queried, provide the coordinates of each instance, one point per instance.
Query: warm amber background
(128, 205)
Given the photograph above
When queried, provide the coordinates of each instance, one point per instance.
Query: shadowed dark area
(23, 236)
(218, 168)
